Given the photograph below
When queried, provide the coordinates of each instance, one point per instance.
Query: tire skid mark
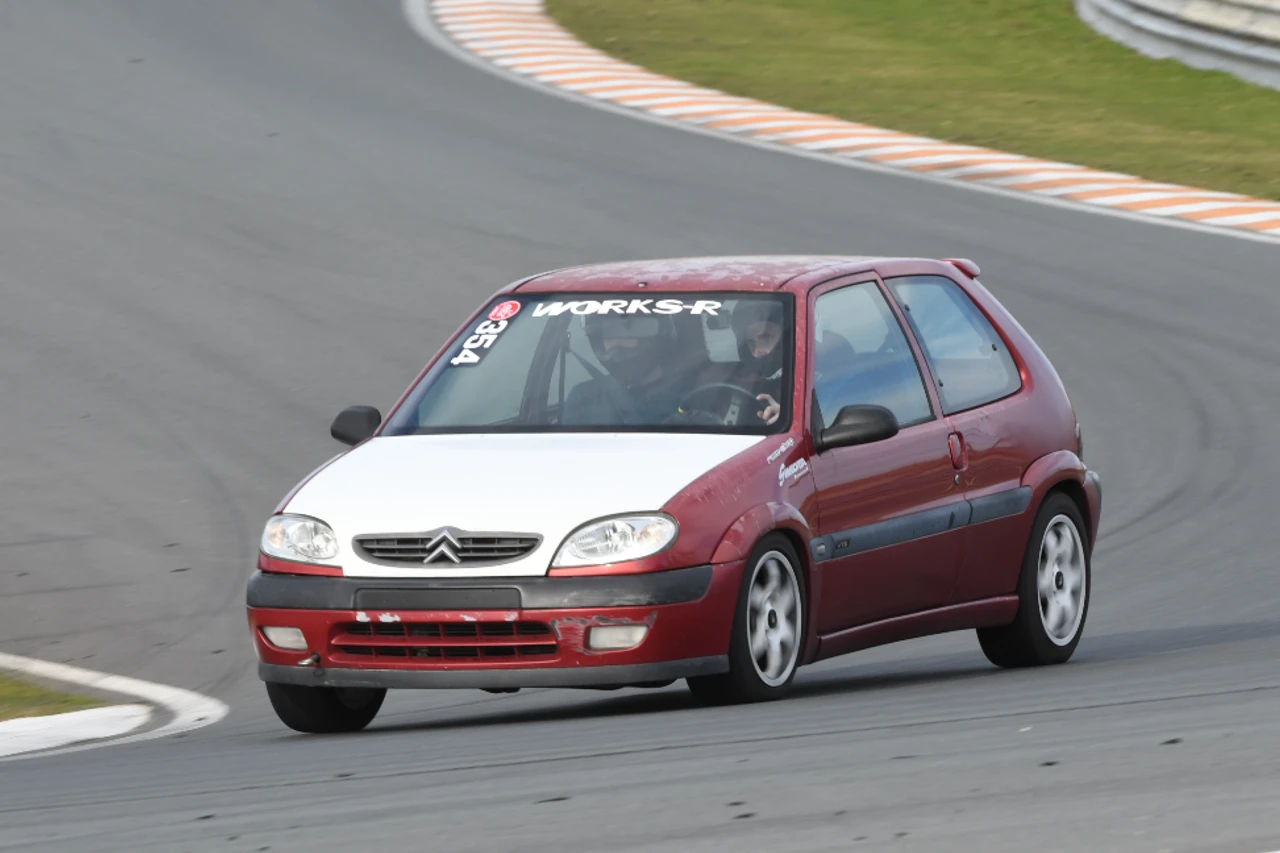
(1223, 424)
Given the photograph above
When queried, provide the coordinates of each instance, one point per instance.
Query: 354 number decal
(485, 334)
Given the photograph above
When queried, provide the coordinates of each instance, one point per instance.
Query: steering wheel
(746, 400)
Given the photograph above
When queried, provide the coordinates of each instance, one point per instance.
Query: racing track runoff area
(224, 222)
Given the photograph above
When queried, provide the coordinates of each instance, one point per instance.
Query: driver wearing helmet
(757, 325)
(643, 385)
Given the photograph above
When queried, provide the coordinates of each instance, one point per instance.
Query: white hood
(544, 484)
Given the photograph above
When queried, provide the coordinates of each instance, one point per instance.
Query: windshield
(661, 362)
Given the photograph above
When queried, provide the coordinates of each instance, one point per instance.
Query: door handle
(959, 452)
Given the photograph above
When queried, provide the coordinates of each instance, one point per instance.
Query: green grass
(1024, 76)
(20, 699)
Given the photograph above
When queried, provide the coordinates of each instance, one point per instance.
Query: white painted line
(500, 29)
(634, 91)
(1245, 218)
(689, 110)
(30, 734)
(858, 140)
(536, 51)
(419, 15)
(1086, 188)
(452, 18)
(629, 85)
(533, 66)
(931, 159)
(572, 76)
(589, 85)
(1131, 198)
(645, 102)
(484, 4)
(754, 112)
(483, 42)
(189, 710)
(963, 157)
(1054, 175)
(1197, 206)
(812, 130)
(471, 32)
(1029, 166)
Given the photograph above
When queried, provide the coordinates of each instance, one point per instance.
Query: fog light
(286, 638)
(614, 637)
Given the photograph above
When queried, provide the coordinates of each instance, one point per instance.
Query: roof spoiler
(965, 266)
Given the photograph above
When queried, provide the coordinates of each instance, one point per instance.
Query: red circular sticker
(505, 311)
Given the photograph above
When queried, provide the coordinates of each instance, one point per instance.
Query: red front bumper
(494, 648)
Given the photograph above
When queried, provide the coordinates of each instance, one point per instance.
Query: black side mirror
(858, 425)
(355, 423)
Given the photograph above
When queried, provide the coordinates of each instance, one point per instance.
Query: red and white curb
(519, 37)
(61, 733)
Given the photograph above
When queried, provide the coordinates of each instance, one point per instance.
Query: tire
(772, 568)
(325, 710)
(1053, 592)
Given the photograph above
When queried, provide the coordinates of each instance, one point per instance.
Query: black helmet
(655, 333)
(748, 313)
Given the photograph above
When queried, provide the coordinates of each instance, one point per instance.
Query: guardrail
(1241, 37)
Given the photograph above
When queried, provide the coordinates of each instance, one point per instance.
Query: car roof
(745, 272)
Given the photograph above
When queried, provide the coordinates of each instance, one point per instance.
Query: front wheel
(768, 630)
(325, 710)
(1053, 592)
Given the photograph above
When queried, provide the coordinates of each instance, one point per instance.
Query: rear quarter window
(969, 361)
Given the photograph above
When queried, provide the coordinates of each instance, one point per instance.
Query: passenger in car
(757, 324)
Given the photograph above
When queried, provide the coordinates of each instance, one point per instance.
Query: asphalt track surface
(221, 222)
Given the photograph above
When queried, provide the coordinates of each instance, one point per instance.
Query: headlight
(298, 538)
(616, 540)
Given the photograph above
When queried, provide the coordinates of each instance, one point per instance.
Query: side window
(968, 359)
(861, 356)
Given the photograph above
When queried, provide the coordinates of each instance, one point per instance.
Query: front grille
(447, 548)
(475, 640)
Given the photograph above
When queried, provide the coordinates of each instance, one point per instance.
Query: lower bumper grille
(446, 640)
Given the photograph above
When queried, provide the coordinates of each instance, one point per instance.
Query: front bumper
(496, 632)
(317, 592)
(617, 675)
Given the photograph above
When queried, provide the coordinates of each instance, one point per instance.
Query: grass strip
(22, 699)
(1023, 76)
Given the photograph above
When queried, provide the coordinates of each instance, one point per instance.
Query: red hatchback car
(716, 470)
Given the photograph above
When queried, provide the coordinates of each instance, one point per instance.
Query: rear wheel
(768, 630)
(1053, 592)
(325, 710)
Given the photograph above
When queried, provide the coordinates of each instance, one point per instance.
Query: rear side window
(969, 360)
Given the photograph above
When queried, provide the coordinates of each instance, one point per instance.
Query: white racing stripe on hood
(545, 484)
